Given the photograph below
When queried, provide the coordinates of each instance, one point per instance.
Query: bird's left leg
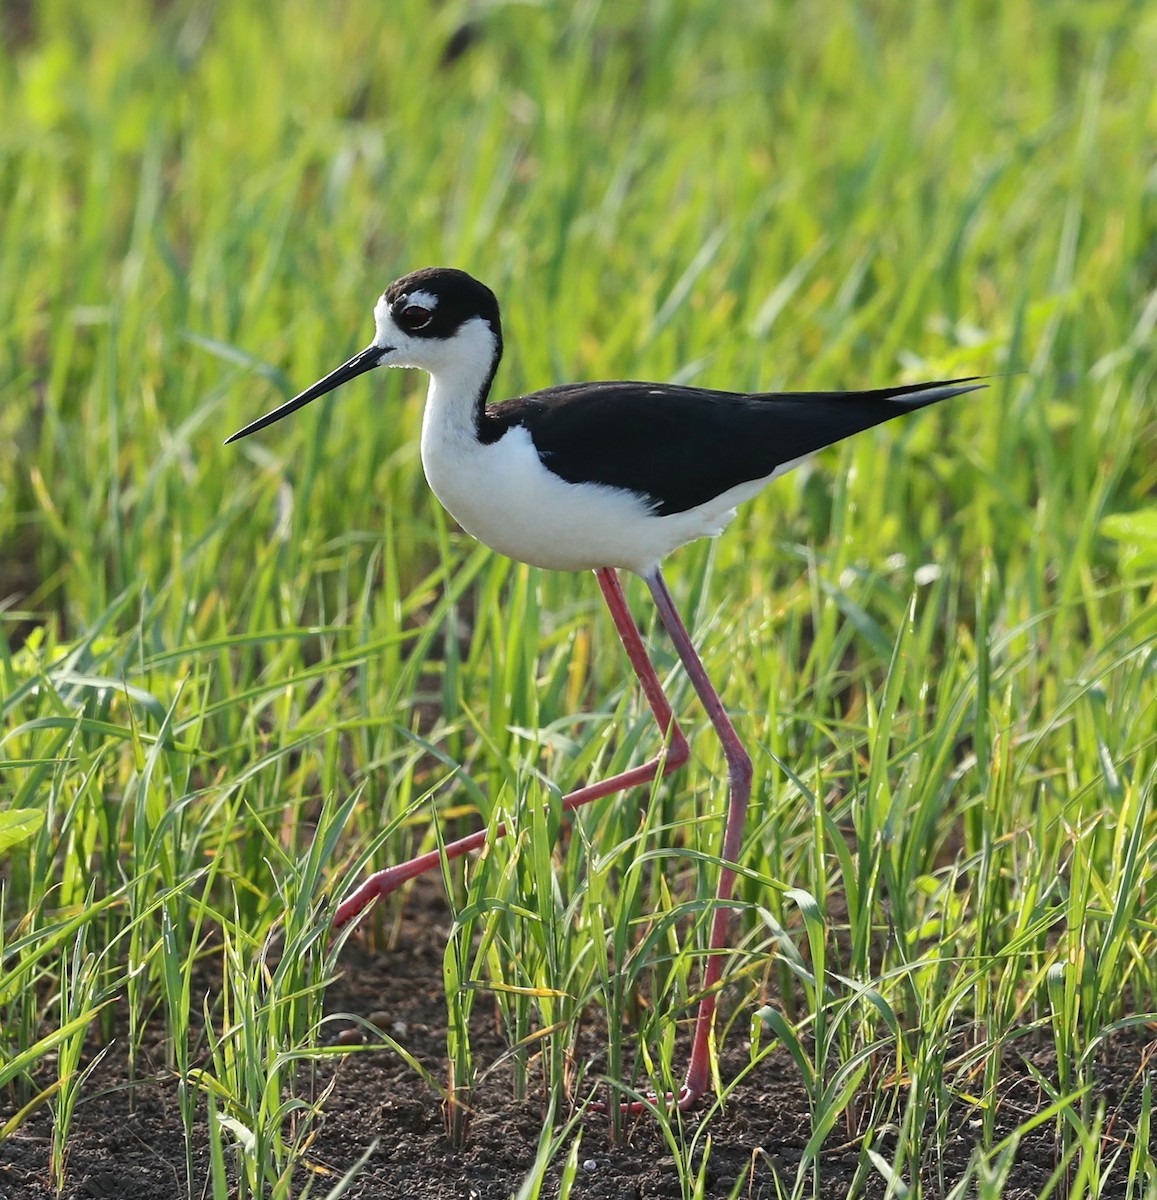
(673, 755)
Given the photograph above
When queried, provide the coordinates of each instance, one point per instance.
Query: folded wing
(683, 446)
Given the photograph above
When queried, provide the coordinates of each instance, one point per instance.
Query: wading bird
(602, 477)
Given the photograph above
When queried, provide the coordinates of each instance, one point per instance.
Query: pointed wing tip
(920, 394)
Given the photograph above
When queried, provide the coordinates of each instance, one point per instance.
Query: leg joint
(739, 769)
(678, 751)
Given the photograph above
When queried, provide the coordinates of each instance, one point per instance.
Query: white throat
(456, 462)
(458, 369)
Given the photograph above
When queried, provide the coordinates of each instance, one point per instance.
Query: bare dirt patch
(131, 1145)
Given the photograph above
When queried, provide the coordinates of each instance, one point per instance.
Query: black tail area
(799, 423)
(917, 394)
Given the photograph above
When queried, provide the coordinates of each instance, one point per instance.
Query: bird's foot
(685, 1100)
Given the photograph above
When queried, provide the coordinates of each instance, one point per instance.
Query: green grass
(234, 675)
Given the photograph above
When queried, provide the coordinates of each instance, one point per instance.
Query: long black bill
(365, 361)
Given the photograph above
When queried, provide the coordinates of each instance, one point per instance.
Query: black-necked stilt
(598, 476)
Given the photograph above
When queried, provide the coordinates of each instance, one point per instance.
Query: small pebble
(400, 1028)
(350, 1037)
(381, 1019)
(590, 1165)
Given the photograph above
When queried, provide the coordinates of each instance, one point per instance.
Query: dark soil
(130, 1146)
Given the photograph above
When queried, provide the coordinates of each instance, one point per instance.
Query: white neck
(457, 378)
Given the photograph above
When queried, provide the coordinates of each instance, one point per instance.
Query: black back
(683, 446)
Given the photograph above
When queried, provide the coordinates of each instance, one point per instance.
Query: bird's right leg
(674, 754)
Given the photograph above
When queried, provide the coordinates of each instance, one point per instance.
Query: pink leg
(671, 758)
(739, 782)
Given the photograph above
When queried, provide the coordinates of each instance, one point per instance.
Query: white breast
(503, 495)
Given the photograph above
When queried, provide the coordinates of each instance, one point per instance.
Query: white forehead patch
(423, 300)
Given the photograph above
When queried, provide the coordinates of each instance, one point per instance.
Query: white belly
(503, 495)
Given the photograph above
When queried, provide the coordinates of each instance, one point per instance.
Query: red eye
(416, 317)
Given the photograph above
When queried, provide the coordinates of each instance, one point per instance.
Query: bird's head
(438, 319)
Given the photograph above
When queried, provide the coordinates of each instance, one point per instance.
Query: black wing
(683, 446)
